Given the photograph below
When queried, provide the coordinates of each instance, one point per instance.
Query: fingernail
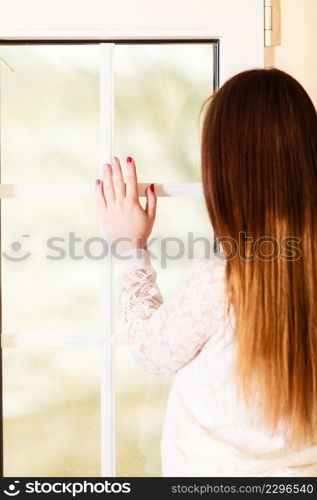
(97, 182)
(152, 187)
(106, 166)
(114, 159)
(129, 159)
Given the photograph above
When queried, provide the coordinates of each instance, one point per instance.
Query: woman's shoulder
(206, 272)
(214, 265)
(206, 285)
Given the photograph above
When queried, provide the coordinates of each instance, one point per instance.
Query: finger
(102, 204)
(131, 180)
(108, 189)
(151, 202)
(119, 187)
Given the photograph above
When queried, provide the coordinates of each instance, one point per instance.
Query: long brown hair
(259, 172)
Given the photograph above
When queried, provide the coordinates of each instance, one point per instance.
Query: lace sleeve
(165, 336)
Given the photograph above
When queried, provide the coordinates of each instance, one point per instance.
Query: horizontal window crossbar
(89, 339)
(87, 190)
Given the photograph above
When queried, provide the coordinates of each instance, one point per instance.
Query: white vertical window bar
(107, 390)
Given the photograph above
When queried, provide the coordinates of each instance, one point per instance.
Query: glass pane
(49, 113)
(50, 281)
(176, 241)
(141, 400)
(160, 89)
(175, 244)
(51, 412)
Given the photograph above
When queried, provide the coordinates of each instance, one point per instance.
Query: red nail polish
(97, 182)
(129, 159)
(152, 187)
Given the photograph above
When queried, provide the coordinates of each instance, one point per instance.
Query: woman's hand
(126, 223)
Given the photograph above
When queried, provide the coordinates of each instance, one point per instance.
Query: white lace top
(208, 431)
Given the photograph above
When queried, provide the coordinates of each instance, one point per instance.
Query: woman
(240, 331)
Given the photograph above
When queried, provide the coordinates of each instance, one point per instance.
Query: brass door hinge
(272, 23)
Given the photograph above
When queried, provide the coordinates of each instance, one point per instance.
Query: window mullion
(107, 396)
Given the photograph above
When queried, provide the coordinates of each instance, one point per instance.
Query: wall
(298, 51)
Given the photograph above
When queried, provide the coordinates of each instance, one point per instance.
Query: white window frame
(239, 27)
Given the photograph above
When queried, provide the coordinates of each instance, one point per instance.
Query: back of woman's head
(259, 169)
